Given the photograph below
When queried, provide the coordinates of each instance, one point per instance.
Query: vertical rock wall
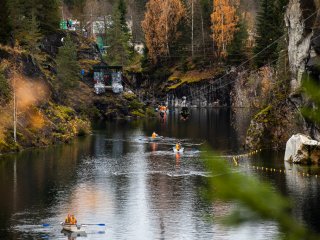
(299, 38)
(272, 126)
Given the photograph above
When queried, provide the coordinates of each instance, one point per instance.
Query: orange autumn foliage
(160, 25)
(224, 21)
(37, 119)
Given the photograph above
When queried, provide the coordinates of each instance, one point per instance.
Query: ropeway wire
(200, 91)
(226, 84)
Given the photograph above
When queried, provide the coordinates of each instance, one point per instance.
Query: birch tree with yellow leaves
(224, 20)
(160, 26)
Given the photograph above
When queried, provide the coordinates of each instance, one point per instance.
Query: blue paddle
(92, 224)
(95, 224)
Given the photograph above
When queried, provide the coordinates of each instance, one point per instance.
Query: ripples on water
(139, 188)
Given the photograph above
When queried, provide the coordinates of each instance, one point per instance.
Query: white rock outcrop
(302, 149)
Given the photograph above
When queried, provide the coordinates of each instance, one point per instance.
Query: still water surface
(141, 189)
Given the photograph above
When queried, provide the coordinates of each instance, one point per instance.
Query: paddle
(94, 224)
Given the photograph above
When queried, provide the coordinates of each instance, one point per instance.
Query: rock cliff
(281, 117)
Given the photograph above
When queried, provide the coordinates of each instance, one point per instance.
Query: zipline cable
(200, 91)
(226, 84)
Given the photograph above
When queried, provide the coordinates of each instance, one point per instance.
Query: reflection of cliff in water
(240, 122)
(305, 192)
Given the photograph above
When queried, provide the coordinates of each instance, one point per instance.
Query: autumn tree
(224, 22)
(160, 26)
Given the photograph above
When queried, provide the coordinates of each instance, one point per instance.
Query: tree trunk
(167, 38)
(192, 49)
(202, 31)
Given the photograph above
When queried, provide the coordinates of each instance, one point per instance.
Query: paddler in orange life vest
(154, 135)
(178, 146)
(70, 219)
(163, 108)
(73, 219)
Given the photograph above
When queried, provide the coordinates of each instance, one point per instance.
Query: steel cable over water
(200, 91)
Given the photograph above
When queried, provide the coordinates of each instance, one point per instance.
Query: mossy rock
(264, 112)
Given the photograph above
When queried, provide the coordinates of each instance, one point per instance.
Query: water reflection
(154, 146)
(73, 236)
(140, 189)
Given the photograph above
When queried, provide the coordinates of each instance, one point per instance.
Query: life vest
(68, 219)
(177, 146)
(73, 220)
(154, 135)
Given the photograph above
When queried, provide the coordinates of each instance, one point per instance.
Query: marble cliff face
(303, 41)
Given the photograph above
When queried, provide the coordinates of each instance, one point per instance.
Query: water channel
(141, 189)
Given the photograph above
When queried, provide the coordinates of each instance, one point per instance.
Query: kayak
(73, 227)
(73, 235)
(156, 138)
(176, 151)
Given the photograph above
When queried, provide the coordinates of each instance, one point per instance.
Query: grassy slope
(179, 78)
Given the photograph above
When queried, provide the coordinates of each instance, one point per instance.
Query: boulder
(302, 149)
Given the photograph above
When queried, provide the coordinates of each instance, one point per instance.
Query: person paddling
(178, 146)
(73, 219)
(154, 135)
(70, 219)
